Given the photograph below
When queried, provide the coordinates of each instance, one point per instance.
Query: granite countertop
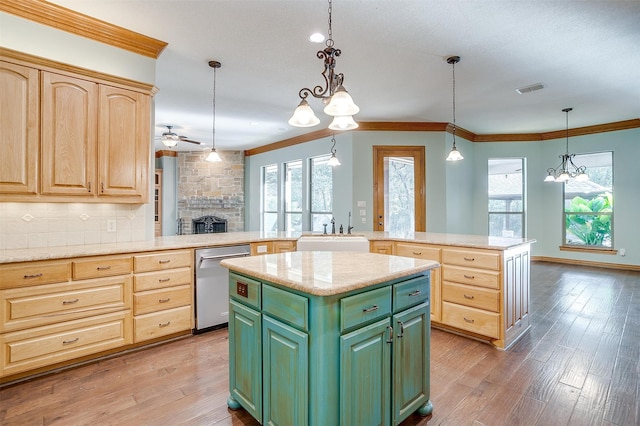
(324, 273)
(233, 238)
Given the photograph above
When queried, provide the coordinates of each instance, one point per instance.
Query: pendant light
(454, 155)
(338, 101)
(333, 161)
(213, 155)
(567, 170)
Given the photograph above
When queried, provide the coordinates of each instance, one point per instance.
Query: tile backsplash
(35, 225)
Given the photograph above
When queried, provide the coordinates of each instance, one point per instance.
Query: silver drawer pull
(70, 302)
(468, 297)
(68, 342)
(470, 277)
(417, 253)
(164, 324)
(415, 293)
(26, 277)
(164, 261)
(103, 268)
(468, 320)
(163, 280)
(469, 259)
(164, 300)
(371, 309)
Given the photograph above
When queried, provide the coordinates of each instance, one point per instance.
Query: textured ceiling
(394, 52)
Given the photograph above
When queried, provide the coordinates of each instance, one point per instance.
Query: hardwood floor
(578, 365)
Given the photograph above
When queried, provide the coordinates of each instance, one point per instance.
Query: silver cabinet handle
(163, 280)
(164, 261)
(26, 277)
(469, 259)
(68, 342)
(470, 321)
(164, 300)
(390, 340)
(164, 324)
(401, 329)
(415, 293)
(470, 277)
(371, 309)
(70, 302)
(468, 297)
(103, 268)
(417, 253)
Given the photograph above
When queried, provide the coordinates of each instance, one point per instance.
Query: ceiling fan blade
(184, 139)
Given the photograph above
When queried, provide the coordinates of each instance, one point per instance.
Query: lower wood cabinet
(296, 357)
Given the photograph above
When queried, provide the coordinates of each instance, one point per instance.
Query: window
(506, 197)
(269, 198)
(293, 196)
(321, 192)
(588, 206)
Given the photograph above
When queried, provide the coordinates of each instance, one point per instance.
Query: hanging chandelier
(567, 170)
(339, 103)
(454, 154)
(213, 155)
(333, 161)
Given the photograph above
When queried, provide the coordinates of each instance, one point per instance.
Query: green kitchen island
(329, 338)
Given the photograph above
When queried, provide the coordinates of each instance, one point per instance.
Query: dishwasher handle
(223, 256)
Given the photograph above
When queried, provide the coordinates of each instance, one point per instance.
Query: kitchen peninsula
(88, 301)
(323, 338)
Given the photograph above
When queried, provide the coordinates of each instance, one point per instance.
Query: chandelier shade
(303, 116)
(567, 170)
(333, 161)
(343, 122)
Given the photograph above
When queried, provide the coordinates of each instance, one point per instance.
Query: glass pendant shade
(549, 178)
(333, 161)
(454, 155)
(343, 122)
(303, 116)
(582, 177)
(563, 177)
(213, 156)
(341, 104)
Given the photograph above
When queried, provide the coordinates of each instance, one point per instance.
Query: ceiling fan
(171, 139)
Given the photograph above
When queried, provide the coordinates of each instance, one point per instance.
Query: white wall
(56, 224)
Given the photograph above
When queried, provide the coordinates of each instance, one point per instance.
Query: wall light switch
(111, 225)
(362, 204)
(261, 249)
(364, 220)
(363, 212)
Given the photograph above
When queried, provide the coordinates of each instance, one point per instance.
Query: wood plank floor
(578, 365)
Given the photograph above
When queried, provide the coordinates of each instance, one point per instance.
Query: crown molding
(82, 25)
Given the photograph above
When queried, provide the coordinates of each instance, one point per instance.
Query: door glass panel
(399, 195)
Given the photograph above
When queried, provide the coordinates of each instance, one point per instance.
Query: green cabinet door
(245, 359)
(411, 361)
(285, 374)
(365, 376)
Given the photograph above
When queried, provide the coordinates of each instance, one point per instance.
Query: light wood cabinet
(421, 251)
(269, 247)
(382, 247)
(163, 294)
(71, 137)
(20, 124)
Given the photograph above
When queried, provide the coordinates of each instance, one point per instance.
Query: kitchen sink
(333, 243)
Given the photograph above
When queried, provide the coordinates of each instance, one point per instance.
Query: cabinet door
(20, 126)
(410, 361)
(69, 135)
(365, 375)
(286, 374)
(123, 143)
(245, 358)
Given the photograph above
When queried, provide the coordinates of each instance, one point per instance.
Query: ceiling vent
(531, 88)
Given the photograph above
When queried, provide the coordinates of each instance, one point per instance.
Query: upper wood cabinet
(69, 137)
(20, 125)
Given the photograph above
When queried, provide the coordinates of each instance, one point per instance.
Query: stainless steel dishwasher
(212, 286)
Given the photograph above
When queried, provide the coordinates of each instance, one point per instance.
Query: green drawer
(288, 307)
(410, 293)
(365, 307)
(245, 290)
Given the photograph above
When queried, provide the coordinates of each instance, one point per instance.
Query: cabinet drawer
(158, 324)
(34, 273)
(48, 304)
(471, 319)
(162, 279)
(158, 300)
(418, 251)
(365, 307)
(410, 293)
(162, 260)
(288, 307)
(470, 276)
(475, 297)
(245, 290)
(472, 258)
(42, 346)
(101, 267)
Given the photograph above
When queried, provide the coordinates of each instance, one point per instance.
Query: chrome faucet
(349, 227)
(333, 225)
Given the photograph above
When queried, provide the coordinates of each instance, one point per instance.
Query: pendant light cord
(214, 109)
(329, 41)
(454, 102)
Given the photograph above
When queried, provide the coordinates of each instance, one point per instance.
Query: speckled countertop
(324, 273)
(233, 238)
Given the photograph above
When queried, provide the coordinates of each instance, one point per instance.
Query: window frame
(286, 202)
(263, 210)
(311, 212)
(523, 197)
